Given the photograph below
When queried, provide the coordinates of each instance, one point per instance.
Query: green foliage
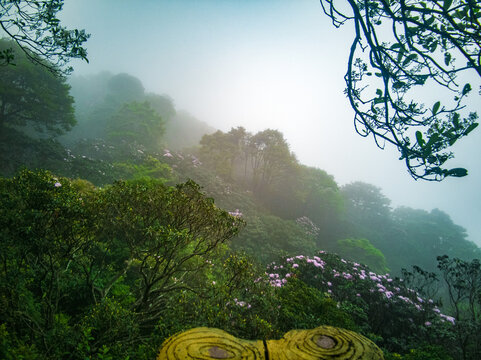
(110, 273)
(182, 130)
(103, 97)
(382, 308)
(428, 352)
(305, 307)
(403, 60)
(91, 269)
(31, 97)
(431, 352)
(271, 158)
(363, 251)
(259, 161)
(136, 123)
(237, 300)
(219, 151)
(463, 280)
(435, 233)
(366, 202)
(123, 88)
(404, 235)
(35, 27)
(150, 167)
(321, 199)
(267, 237)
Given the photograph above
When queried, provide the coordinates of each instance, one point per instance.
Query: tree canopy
(399, 47)
(137, 123)
(32, 96)
(36, 29)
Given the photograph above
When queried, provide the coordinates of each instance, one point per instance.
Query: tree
(124, 88)
(366, 201)
(85, 268)
(431, 234)
(32, 96)
(321, 201)
(270, 158)
(429, 44)
(363, 251)
(463, 280)
(219, 151)
(137, 123)
(368, 215)
(35, 28)
(161, 236)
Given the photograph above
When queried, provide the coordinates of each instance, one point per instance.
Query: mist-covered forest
(125, 220)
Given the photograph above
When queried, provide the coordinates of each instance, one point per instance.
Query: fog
(266, 64)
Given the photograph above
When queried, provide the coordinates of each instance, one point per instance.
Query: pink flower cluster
(335, 282)
(316, 261)
(235, 213)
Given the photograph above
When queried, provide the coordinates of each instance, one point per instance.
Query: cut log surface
(208, 343)
(324, 342)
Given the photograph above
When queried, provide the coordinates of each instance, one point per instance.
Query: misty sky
(265, 64)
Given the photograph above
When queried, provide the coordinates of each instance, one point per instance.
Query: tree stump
(208, 343)
(324, 342)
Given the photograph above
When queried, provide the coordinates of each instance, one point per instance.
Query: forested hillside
(125, 220)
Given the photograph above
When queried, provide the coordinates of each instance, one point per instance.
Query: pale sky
(265, 64)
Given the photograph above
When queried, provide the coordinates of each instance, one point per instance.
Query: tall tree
(219, 151)
(322, 201)
(34, 26)
(137, 123)
(429, 43)
(32, 96)
(270, 157)
(227, 152)
(433, 233)
(368, 215)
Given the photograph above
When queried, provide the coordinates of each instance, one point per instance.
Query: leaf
(471, 128)
(457, 172)
(452, 141)
(466, 89)
(421, 79)
(436, 107)
(459, 14)
(398, 85)
(411, 31)
(447, 4)
(419, 138)
(456, 122)
(409, 59)
(379, 100)
(434, 138)
(379, 92)
(429, 21)
(447, 58)
(400, 54)
(395, 46)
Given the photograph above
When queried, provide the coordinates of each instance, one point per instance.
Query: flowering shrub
(308, 225)
(379, 304)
